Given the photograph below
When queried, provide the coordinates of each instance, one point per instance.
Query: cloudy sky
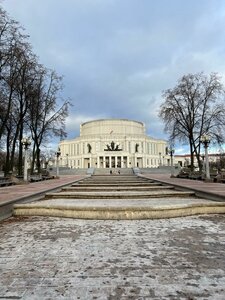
(117, 56)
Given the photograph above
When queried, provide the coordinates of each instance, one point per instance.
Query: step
(117, 210)
(119, 195)
(135, 184)
(115, 181)
(79, 188)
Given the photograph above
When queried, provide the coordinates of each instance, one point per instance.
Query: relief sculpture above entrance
(112, 147)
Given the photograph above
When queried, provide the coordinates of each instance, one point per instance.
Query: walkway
(210, 190)
(25, 192)
(62, 258)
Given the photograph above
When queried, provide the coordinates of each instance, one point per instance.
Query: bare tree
(29, 96)
(194, 107)
(9, 36)
(46, 117)
(15, 53)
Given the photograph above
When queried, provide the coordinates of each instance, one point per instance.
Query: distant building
(184, 160)
(113, 143)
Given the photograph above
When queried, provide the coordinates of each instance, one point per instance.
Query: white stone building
(113, 143)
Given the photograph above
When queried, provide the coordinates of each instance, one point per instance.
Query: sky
(118, 56)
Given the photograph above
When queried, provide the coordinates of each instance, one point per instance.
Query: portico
(111, 161)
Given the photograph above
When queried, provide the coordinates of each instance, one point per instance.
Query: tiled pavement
(56, 258)
(16, 192)
(210, 188)
(33, 191)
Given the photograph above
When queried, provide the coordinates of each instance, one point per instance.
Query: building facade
(185, 159)
(113, 143)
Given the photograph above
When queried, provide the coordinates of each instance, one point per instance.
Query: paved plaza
(62, 258)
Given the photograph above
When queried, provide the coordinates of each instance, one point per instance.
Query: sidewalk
(209, 190)
(25, 192)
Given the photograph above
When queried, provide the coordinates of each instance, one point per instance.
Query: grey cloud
(118, 56)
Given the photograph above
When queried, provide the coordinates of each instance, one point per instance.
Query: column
(128, 162)
(110, 162)
(98, 159)
(135, 161)
(104, 162)
(115, 161)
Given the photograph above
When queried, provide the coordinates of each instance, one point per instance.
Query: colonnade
(112, 161)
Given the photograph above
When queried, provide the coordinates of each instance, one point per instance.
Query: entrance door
(113, 161)
(125, 162)
(139, 162)
(86, 163)
(107, 162)
(118, 162)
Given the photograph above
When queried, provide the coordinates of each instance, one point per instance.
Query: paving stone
(53, 258)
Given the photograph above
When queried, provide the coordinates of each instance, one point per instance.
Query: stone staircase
(117, 186)
(119, 197)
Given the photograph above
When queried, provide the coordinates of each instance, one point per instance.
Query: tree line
(29, 97)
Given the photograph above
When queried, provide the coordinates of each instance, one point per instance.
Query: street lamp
(26, 143)
(160, 159)
(170, 151)
(205, 140)
(203, 164)
(67, 160)
(57, 153)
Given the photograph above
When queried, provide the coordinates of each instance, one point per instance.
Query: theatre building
(113, 143)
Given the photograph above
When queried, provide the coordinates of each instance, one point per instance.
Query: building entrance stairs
(120, 197)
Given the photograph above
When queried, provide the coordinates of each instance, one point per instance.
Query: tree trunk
(7, 159)
(38, 160)
(192, 155)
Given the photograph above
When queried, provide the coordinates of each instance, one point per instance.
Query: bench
(183, 175)
(35, 178)
(47, 177)
(220, 177)
(195, 176)
(6, 182)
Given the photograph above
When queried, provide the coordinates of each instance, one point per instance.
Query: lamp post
(160, 159)
(170, 151)
(67, 160)
(205, 140)
(57, 153)
(26, 143)
(203, 164)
